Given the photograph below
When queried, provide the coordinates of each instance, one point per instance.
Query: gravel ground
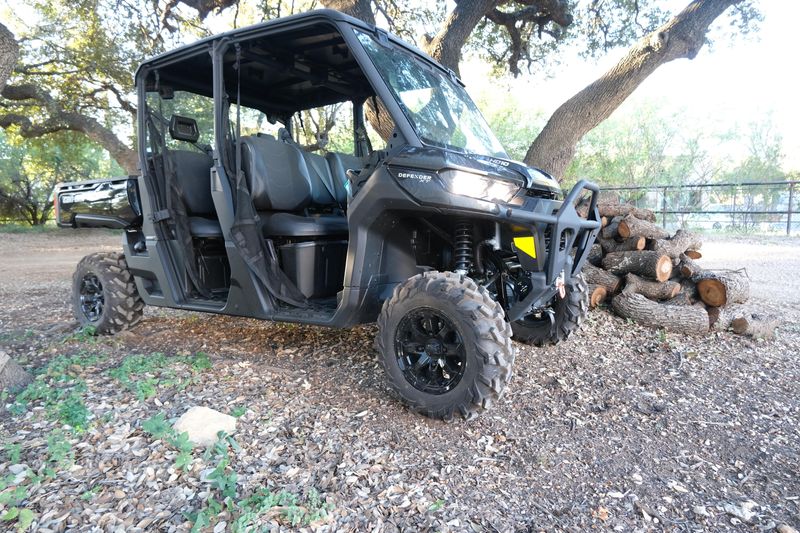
(620, 428)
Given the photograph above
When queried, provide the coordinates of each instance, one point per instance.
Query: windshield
(439, 109)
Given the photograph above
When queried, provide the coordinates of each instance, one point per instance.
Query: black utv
(408, 212)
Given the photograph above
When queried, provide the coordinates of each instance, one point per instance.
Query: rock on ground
(203, 424)
(12, 376)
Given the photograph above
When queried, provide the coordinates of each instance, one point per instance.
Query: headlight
(477, 186)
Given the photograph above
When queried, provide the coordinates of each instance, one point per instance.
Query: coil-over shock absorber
(462, 246)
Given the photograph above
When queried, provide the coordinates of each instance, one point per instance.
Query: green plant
(59, 450)
(435, 506)
(91, 493)
(73, 411)
(85, 334)
(13, 451)
(23, 517)
(238, 411)
(145, 373)
(158, 427)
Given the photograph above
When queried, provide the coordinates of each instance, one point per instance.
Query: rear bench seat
(290, 188)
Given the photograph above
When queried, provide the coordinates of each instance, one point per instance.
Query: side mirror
(183, 129)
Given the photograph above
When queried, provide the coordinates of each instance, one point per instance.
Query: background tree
(30, 169)
(77, 61)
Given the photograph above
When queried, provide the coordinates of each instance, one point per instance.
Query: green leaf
(26, 517)
(11, 514)
(157, 426)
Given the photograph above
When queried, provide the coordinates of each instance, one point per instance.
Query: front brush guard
(576, 231)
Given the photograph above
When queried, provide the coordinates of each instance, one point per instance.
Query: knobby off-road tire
(568, 314)
(475, 319)
(104, 278)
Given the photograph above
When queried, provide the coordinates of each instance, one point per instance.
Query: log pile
(652, 277)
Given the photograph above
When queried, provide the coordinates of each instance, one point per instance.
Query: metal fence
(769, 207)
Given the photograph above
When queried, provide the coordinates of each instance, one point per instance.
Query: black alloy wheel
(430, 351)
(92, 299)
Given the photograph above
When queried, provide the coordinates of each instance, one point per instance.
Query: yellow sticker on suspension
(526, 244)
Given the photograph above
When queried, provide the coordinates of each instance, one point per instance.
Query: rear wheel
(557, 322)
(104, 294)
(445, 345)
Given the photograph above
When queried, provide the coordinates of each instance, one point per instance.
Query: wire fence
(764, 208)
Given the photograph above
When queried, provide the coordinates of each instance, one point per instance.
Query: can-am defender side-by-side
(428, 228)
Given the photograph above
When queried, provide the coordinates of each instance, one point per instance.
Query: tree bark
(445, 47)
(360, 9)
(630, 226)
(681, 318)
(9, 52)
(651, 289)
(620, 210)
(681, 37)
(688, 267)
(612, 229)
(598, 276)
(648, 264)
(676, 245)
(595, 256)
(722, 288)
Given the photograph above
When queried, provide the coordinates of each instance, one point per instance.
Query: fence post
(664, 209)
(789, 212)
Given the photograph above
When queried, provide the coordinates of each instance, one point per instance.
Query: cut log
(612, 229)
(598, 276)
(677, 244)
(630, 226)
(743, 321)
(651, 289)
(680, 318)
(595, 256)
(721, 288)
(628, 245)
(693, 254)
(649, 264)
(756, 325)
(624, 209)
(680, 299)
(597, 295)
(688, 267)
(604, 221)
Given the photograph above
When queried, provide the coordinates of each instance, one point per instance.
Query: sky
(733, 82)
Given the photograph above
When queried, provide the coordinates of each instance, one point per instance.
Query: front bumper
(557, 234)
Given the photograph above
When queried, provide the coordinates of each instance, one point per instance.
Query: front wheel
(104, 295)
(559, 321)
(445, 345)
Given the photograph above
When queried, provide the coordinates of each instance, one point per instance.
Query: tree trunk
(360, 9)
(620, 210)
(681, 37)
(9, 52)
(648, 264)
(651, 289)
(446, 46)
(676, 245)
(628, 245)
(597, 295)
(598, 276)
(630, 226)
(722, 288)
(62, 120)
(680, 318)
